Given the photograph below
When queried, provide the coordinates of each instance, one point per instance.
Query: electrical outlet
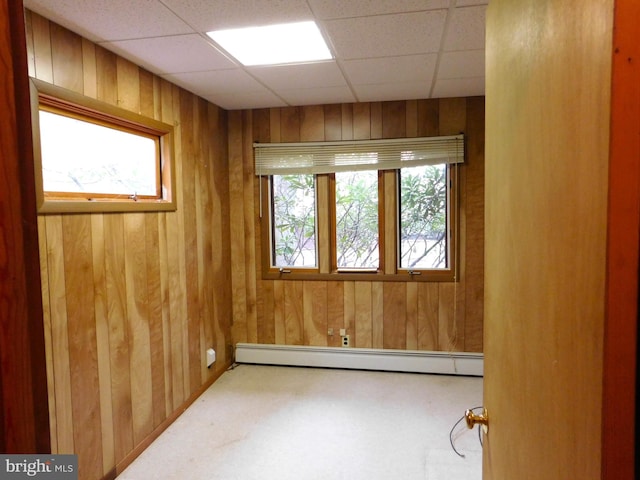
(345, 340)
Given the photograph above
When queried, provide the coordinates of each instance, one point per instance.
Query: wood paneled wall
(413, 315)
(132, 301)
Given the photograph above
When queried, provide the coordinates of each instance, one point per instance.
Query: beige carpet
(279, 423)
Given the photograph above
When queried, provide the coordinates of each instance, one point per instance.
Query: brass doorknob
(473, 419)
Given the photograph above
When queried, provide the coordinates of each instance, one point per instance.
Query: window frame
(74, 105)
(389, 231)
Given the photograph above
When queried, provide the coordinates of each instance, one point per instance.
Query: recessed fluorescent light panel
(274, 44)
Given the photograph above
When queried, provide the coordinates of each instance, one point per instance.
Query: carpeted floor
(279, 423)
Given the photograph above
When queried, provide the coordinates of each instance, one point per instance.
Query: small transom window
(95, 157)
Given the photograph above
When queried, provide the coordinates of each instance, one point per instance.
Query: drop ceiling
(383, 49)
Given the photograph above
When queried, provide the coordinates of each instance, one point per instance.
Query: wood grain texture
(546, 234)
(23, 375)
(133, 299)
(378, 315)
(620, 434)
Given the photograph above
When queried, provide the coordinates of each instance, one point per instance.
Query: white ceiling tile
(387, 35)
(327, 9)
(174, 54)
(100, 20)
(216, 81)
(404, 69)
(459, 87)
(246, 100)
(392, 91)
(318, 96)
(468, 63)
(309, 75)
(207, 15)
(466, 29)
(385, 49)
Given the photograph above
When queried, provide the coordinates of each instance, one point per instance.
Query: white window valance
(329, 157)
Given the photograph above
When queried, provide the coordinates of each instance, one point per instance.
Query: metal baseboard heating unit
(415, 361)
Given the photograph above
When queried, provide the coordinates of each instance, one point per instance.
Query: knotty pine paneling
(424, 316)
(133, 300)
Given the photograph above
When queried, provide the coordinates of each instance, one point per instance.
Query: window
(294, 221)
(380, 210)
(92, 156)
(423, 217)
(357, 223)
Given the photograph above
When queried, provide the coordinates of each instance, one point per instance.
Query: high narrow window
(356, 224)
(293, 221)
(91, 156)
(423, 218)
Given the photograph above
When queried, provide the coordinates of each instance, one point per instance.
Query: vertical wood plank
(474, 206)
(128, 84)
(362, 121)
(315, 313)
(66, 54)
(312, 123)
(349, 307)
(376, 120)
(106, 76)
(294, 312)
(138, 325)
(28, 27)
(249, 215)
(190, 238)
(395, 315)
(448, 335)
(89, 69)
(335, 312)
(333, 122)
(452, 116)
(428, 118)
(394, 119)
(102, 342)
(363, 314)
(59, 334)
(347, 121)
(428, 307)
(114, 247)
(78, 264)
(43, 61)
(290, 124)
(280, 333)
(377, 314)
(48, 331)
(237, 228)
(411, 120)
(154, 312)
(412, 316)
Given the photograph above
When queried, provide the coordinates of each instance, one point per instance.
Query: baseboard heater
(416, 361)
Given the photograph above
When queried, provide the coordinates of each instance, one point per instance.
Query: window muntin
(357, 226)
(61, 190)
(423, 240)
(293, 221)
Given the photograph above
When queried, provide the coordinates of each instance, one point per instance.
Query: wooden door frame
(24, 412)
(620, 330)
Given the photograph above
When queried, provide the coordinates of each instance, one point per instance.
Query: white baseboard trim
(471, 364)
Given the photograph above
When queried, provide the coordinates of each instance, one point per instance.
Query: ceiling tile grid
(384, 49)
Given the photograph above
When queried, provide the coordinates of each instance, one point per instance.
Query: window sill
(425, 276)
(104, 206)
